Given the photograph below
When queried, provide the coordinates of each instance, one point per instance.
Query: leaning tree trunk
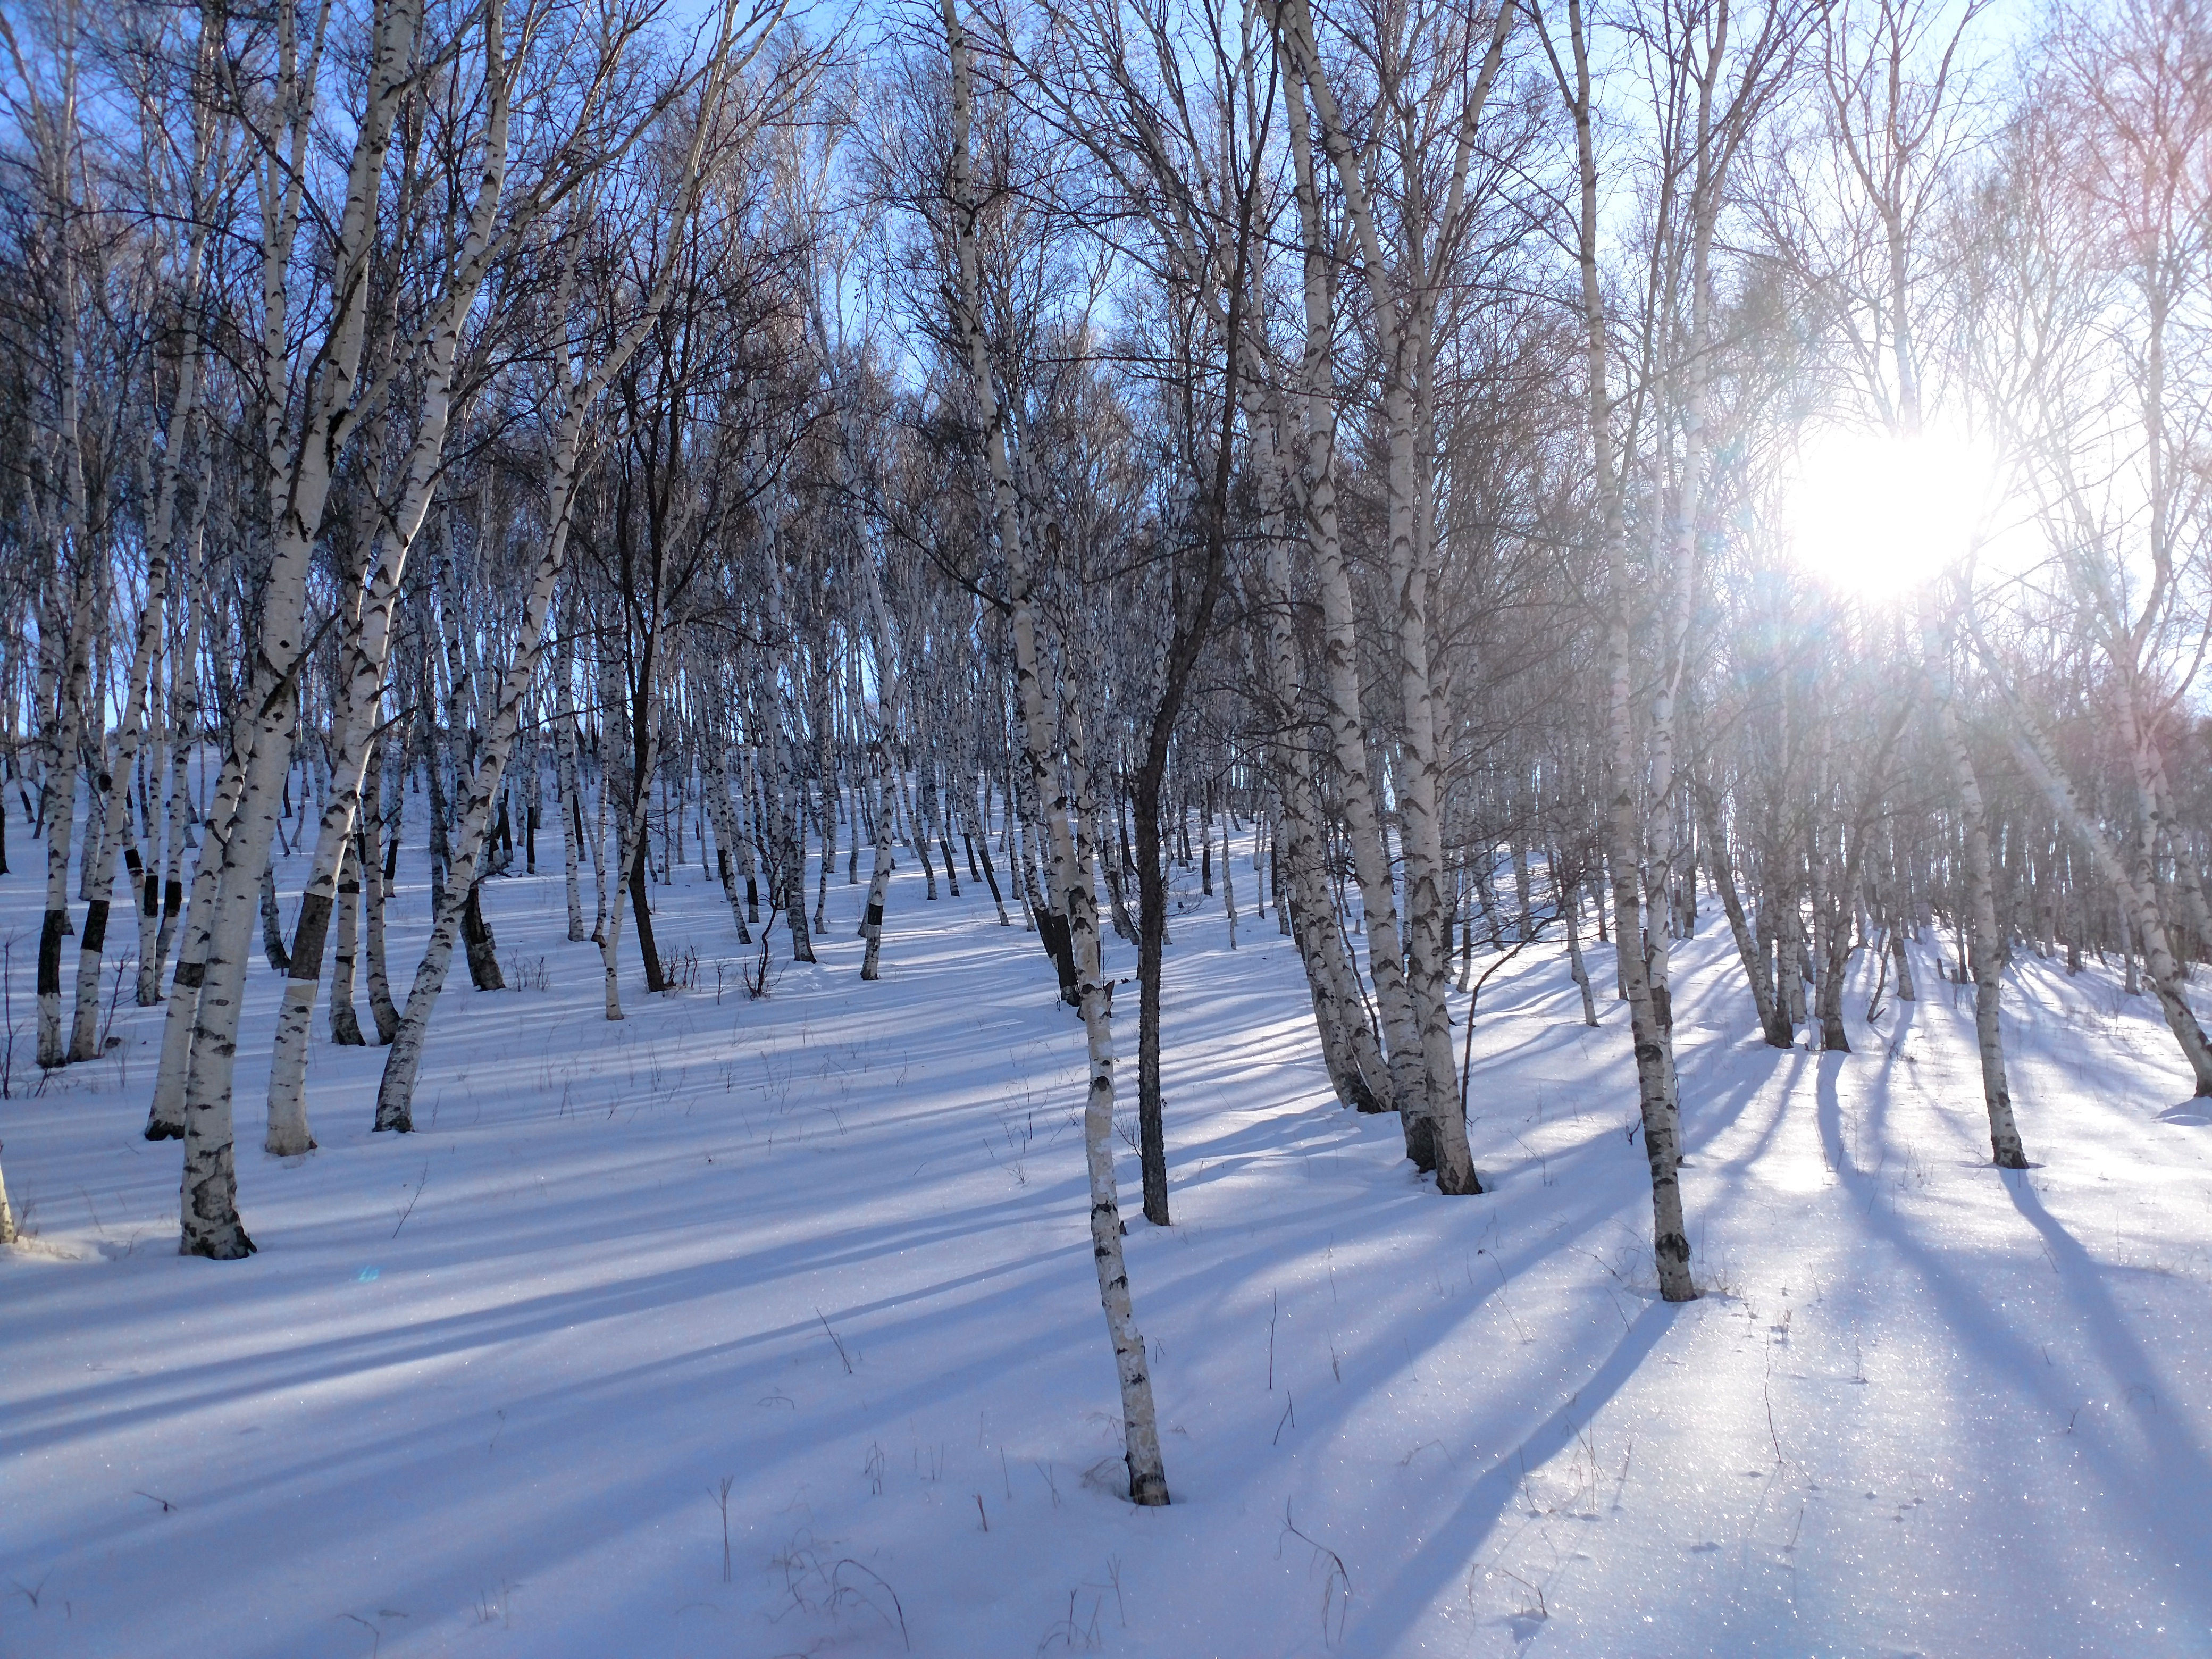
(395, 1095)
(1354, 1061)
(395, 1092)
(1571, 909)
(1406, 328)
(980, 843)
(355, 723)
(210, 1223)
(1772, 1026)
(2137, 898)
(301, 469)
(2188, 879)
(1341, 681)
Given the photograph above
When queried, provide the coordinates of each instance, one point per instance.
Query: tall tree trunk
(345, 1027)
(1670, 1236)
(1141, 1429)
(1353, 1058)
(1987, 955)
(1408, 1091)
(714, 784)
(1570, 909)
(165, 1119)
(879, 879)
(571, 801)
(146, 653)
(380, 864)
(184, 717)
(59, 789)
(1772, 1026)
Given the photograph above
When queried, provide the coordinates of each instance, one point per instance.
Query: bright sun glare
(1875, 516)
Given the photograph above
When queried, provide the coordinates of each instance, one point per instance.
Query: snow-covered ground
(766, 1328)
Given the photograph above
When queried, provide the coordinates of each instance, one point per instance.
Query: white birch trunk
(1670, 1236)
(60, 783)
(359, 697)
(345, 1027)
(184, 717)
(1340, 660)
(395, 1092)
(376, 888)
(1570, 909)
(65, 728)
(572, 805)
(146, 653)
(715, 783)
(2004, 1132)
(1354, 1061)
(165, 1120)
(1141, 1430)
(299, 482)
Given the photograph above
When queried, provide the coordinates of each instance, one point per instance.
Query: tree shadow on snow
(1403, 1602)
(2165, 1473)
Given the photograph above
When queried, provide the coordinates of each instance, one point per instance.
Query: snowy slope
(481, 1387)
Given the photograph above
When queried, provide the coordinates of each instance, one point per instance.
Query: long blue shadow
(1403, 1602)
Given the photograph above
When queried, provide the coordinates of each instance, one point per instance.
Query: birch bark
(300, 474)
(1670, 1237)
(1406, 1092)
(1141, 1430)
(579, 393)
(162, 549)
(1773, 1025)
(1987, 953)
(376, 604)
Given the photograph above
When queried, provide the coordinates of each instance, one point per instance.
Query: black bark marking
(50, 953)
(309, 938)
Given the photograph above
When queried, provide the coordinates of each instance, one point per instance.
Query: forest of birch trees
(1361, 455)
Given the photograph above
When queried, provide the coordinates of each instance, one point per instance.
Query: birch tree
(1060, 803)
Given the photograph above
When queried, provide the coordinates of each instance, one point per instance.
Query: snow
(482, 1387)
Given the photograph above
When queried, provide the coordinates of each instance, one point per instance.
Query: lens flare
(1875, 516)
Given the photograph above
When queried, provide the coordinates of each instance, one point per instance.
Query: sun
(1875, 516)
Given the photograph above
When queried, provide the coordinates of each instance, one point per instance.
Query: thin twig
(841, 1354)
(410, 1210)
